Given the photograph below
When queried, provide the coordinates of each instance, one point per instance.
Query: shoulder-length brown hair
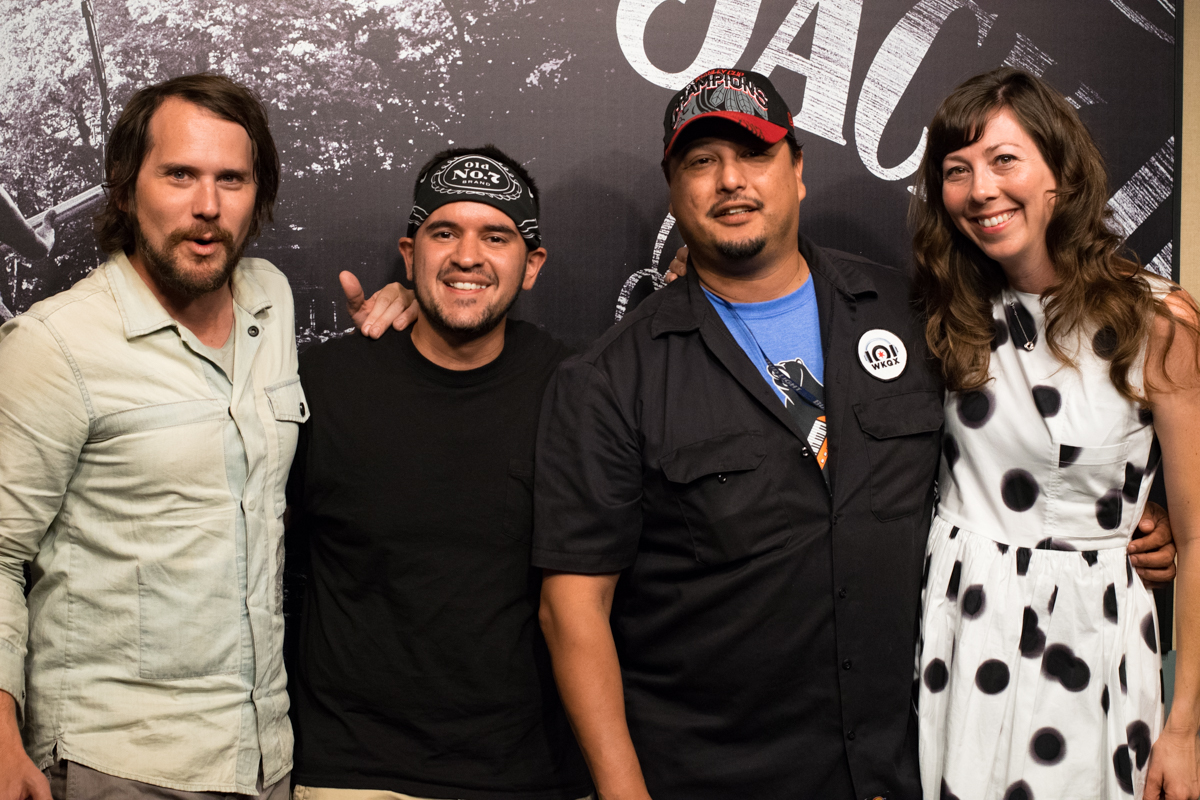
(1098, 288)
(130, 141)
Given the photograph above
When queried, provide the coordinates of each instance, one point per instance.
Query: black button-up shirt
(764, 622)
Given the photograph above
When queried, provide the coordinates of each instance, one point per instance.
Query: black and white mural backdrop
(360, 92)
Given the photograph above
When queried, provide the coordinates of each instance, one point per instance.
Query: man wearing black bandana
(421, 669)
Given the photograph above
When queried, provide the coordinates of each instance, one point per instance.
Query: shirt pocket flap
(287, 400)
(1093, 455)
(900, 414)
(730, 452)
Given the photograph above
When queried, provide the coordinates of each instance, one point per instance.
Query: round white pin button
(882, 354)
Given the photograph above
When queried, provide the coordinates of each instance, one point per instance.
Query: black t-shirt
(421, 665)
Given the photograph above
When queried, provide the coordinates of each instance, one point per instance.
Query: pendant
(1028, 346)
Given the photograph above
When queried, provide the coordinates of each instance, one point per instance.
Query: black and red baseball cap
(746, 98)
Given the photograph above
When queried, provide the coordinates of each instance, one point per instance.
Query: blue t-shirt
(787, 330)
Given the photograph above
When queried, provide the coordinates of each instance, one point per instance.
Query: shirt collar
(141, 313)
(684, 311)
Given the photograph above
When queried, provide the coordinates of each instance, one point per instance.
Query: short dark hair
(492, 152)
(130, 141)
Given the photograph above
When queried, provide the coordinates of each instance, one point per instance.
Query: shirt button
(833, 519)
(850, 735)
(302, 409)
(842, 592)
(804, 452)
(721, 479)
(252, 330)
(250, 504)
(846, 664)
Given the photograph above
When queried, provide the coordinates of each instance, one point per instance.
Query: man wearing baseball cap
(733, 493)
(421, 669)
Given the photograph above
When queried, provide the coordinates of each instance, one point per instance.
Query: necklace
(1028, 341)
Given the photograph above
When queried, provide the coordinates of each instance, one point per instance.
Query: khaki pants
(317, 793)
(71, 781)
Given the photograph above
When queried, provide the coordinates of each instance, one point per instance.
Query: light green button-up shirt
(151, 646)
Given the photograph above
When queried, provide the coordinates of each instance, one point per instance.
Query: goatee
(743, 250)
(164, 264)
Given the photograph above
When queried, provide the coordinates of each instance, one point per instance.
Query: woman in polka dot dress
(1039, 666)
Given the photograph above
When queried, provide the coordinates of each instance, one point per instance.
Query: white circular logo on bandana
(882, 354)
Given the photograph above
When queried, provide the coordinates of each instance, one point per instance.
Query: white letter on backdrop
(827, 71)
(894, 66)
(728, 34)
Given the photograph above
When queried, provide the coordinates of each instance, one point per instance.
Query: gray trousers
(71, 781)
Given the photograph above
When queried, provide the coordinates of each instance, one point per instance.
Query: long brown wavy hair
(1100, 288)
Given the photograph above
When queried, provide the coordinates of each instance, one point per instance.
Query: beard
(163, 264)
(743, 250)
(463, 330)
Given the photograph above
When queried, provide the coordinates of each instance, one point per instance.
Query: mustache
(214, 233)
(736, 200)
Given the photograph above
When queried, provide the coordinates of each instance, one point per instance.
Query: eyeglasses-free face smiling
(1000, 193)
(468, 263)
(736, 198)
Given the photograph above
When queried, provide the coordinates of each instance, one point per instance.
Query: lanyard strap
(777, 372)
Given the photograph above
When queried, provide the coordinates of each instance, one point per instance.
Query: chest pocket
(518, 500)
(290, 408)
(731, 506)
(902, 434)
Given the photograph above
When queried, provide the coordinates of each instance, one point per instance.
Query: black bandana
(477, 179)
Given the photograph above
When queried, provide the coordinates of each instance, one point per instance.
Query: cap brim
(768, 132)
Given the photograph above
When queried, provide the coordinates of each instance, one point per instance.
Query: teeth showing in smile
(731, 212)
(991, 222)
(466, 287)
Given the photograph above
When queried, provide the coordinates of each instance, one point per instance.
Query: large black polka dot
(954, 532)
(1128, 572)
(1110, 603)
(1067, 455)
(999, 333)
(975, 408)
(1155, 455)
(1018, 489)
(1148, 633)
(1033, 640)
(936, 675)
(1133, 482)
(1123, 769)
(1060, 663)
(1021, 326)
(1050, 544)
(1023, 554)
(1053, 600)
(1091, 557)
(1121, 675)
(1018, 791)
(1104, 343)
(992, 676)
(1048, 746)
(946, 794)
(1138, 736)
(1002, 547)
(955, 577)
(1104, 700)
(973, 601)
(1047, 399)
(950, 450)
(1108, 510)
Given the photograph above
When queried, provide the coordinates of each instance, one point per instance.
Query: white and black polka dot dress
(1039, 672)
